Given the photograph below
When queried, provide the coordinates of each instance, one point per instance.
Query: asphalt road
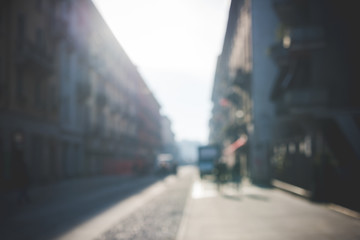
(61, 216)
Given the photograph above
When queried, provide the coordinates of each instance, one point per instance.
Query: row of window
(302, 147)
(37, 93)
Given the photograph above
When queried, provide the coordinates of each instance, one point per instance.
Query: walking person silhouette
(236, 174)
(220, 174)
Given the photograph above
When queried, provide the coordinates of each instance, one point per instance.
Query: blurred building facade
(189, 151)
(149, 138)
(232, 97)
(169, 144)
(318, 132)
(71, 101)
(29, 91)
(291, 65)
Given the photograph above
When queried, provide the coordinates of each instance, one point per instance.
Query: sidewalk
(53, 193)
(259, 213)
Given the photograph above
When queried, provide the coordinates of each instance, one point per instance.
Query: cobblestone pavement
(159, 218)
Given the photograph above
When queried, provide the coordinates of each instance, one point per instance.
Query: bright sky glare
(174, 44)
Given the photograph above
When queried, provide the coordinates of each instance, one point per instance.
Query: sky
(174, 44)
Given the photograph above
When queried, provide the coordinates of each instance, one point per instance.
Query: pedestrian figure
(220, 174)
(236, 175)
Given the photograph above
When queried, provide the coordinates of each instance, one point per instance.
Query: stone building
(71, 101)
(290, 68)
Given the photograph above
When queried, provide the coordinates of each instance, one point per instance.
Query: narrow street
(118, 120)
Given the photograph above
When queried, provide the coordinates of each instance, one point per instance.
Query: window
(36, 155)
(2, 79)
(1, 76)
(292, 148)
(53, 98)
(2, 160)
(21, 28)
(40, 5)
(1, 25)
(77, 157)
(40, 38)
(37, 94)
(65, 110)
(64, 158)
(20, 84)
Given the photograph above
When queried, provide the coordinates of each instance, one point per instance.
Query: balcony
(101, 99)
(96, 129)
(306, 38)
(242, 80)
(59, 29)
(83, 90)
(291, 12)
(115, 108)
(280, 54)
(235, 98)
(305, 100)
(96, 63)
(300, 41)
(34, 58)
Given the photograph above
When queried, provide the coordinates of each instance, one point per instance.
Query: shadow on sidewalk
(258, 197)
(48, 219)
(232, 197)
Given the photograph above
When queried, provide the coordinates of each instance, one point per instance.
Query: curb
(181, 233)
(291, 189)
(343, 210)
(307, 194)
